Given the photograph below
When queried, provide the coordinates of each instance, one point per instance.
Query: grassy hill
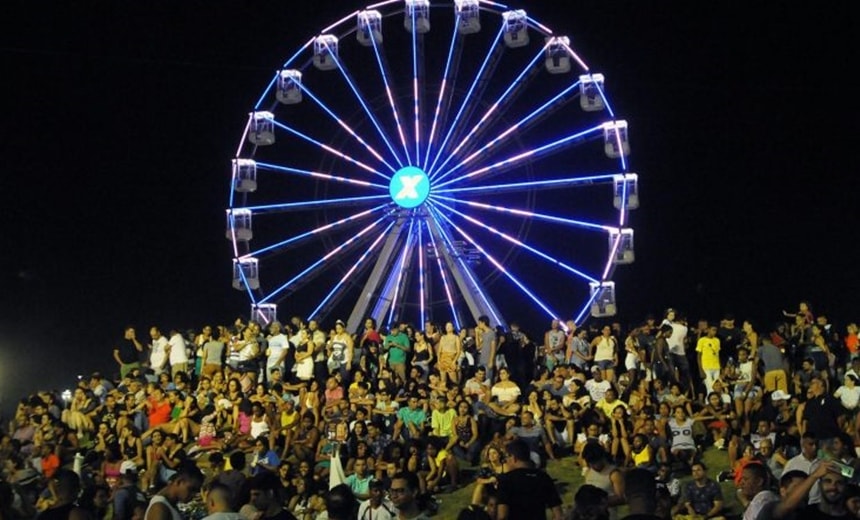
(568, 477)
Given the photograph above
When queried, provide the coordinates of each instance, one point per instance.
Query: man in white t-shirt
(677, 347)
(278, 347)
(157, 351)
(177, 353)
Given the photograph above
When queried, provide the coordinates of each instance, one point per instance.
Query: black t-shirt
(811, 512)
(822, 415)
(283, 514)
(526, 492)
(127, 351)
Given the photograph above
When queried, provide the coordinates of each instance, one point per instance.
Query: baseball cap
(127, 467)
(779, 395)
(595, 368)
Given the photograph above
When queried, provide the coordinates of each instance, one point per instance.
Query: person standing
(554, 345)
(127, 353)
(177, 353)
(677, 348)
(486, 341)
(397, 345)
(157, 352)
(277, 349)
(525, 491)
(708, 355)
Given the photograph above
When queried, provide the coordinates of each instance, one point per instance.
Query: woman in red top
(158, 408)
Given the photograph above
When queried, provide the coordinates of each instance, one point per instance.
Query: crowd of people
(290, 420)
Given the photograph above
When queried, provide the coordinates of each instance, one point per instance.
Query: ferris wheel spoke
(519, 243)
(514, 88)
(417, 69)
(555, 103)
(492, 56)
(528, 214)
(360, 98)
(337, 291)
(422, 312)
(527, 156)
(314, 269)
(485, 305)
(294, 241)
(317, 204)
(516, 187)
(455, 51)
(394, 286)
(384, 72)
(499, 267)
(320, 175)
(330, 149)
(442, 273)
(346, 127)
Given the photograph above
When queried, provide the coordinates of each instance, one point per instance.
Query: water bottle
(731, 362)
(78, 465)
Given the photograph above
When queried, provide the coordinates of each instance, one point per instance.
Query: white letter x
(410, 182)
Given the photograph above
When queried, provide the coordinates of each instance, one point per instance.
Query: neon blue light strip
(266, 92)
(576, 57)
(363, 104)
(315, 204)
(453, 125)
(612, 253)
(308, 234)
(329, 149)
(349, 129)
(513, 128)
(421, 302)
(352, 269)
(245, 283)
(298, 53)
(528, 214)
(322, 260)
(415, 104)
(501, 268)
(522, 156)
(401, 262)
(391, 100)
(584, 310)
(521, 244)
(442, 273)
(467, 271)
(444, 86)
(320, 175)
(517, 186)
(493, 108)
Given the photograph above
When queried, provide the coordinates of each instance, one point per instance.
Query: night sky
(119, 121)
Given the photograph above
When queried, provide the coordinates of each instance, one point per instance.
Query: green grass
(568, 477)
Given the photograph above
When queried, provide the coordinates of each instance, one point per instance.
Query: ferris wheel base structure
(488, 175)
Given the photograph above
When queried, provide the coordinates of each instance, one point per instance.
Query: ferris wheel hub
(409, 187)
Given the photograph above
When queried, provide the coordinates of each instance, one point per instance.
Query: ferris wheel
(421, 160)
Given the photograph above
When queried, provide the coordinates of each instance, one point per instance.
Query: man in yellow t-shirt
(708, 354)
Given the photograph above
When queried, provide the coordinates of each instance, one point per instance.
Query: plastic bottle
(78, 465)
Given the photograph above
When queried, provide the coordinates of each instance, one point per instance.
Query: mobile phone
(846, 470)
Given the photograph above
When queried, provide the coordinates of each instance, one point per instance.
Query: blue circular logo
(409, 187)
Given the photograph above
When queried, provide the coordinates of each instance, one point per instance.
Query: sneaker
(724, 476)
(720, 444)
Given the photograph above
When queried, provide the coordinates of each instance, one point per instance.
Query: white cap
(779, 395)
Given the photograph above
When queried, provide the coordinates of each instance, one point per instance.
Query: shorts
(739, 390)
(605, 364)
